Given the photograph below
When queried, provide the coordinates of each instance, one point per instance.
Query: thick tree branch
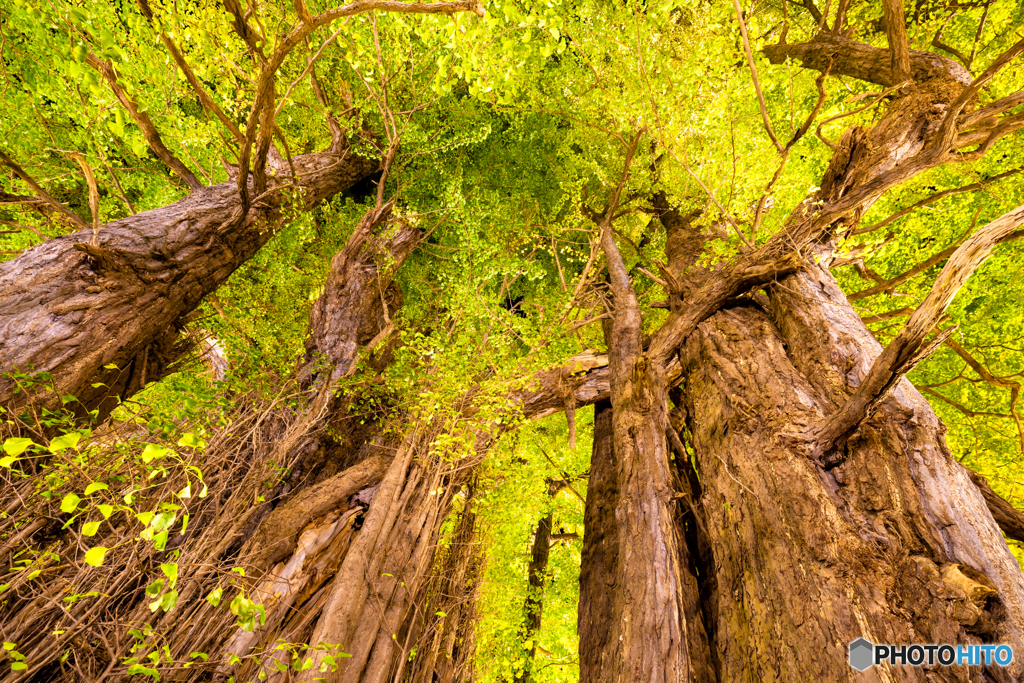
(143, 121)
(899, 46)
(88, 314)
(863, 62)
(909, 348)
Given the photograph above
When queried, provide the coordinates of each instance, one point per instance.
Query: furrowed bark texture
(807, 559)
(653, 564)
(69, 308)
(360, 280)
(600, 608)
(445, 651)
(909, 347)
(371, 609)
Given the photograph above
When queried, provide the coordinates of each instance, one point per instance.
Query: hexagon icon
(862, 654)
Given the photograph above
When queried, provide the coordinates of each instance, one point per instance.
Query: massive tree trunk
(600, 607)
(72, 307)
(777, 559)
(807, 559)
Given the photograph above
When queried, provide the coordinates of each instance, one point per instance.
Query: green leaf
(152, 452)
(139, 147)
(215, 596)
(69, 440)
(170, 570)
(8, 460)
(190, 440)
(70, 503)
(94, 487)
(95, 556)
(139, 670)
(17, 445)
(169, 600)
(90, 528)
(18, 666)
(105, 510)
(163, 520)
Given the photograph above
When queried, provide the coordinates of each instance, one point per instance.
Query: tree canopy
(479, 161)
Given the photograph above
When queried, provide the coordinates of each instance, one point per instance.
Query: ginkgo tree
(770, 245)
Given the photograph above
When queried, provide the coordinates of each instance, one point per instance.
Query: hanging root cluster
(235, 550)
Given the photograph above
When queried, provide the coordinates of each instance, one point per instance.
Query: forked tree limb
(909, 346)
(259, 128)
(864, 62)
(951, 125)
(144, 123)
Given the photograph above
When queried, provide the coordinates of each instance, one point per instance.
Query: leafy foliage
(512, 130)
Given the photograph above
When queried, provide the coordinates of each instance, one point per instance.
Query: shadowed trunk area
(600, 608)
(894, 543)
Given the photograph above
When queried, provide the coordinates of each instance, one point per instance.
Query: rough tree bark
(781, 560)
(807, 559)
(70, 308)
